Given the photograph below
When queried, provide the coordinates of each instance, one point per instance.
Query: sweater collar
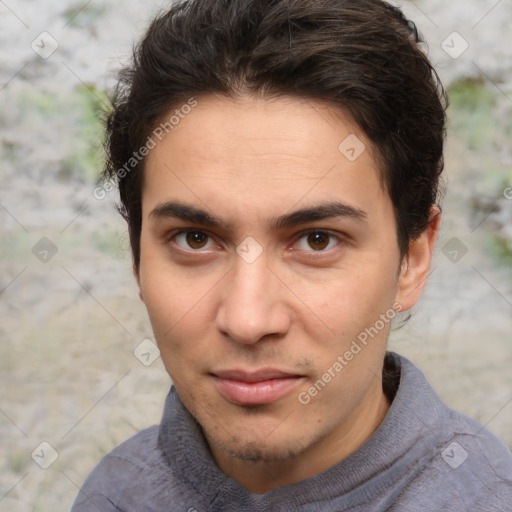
(388, 457)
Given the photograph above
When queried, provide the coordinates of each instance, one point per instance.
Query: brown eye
(196, 239)
(191, 239)
(318, 240)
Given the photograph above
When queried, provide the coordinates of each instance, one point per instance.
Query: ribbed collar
(397, 451)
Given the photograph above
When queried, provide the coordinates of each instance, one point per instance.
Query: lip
(263, 386)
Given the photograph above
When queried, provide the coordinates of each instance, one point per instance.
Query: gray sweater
(424, 457)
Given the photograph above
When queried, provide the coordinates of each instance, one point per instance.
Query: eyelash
(302, 234)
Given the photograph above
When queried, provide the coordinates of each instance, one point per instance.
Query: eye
(191, 239)
(317, 241)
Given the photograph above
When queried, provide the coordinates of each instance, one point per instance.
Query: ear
(136, 273)
(416, 263)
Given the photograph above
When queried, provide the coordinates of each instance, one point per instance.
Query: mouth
(255, 388)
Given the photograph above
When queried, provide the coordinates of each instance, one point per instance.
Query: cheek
(179, 307)
(174, 330)
(168, 292)
(174, 314)
(353, 299)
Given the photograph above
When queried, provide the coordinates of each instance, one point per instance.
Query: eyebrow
(323, 211)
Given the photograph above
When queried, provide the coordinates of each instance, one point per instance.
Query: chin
(265, 437)
(256, 450)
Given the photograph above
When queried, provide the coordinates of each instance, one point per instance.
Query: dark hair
(363, 57)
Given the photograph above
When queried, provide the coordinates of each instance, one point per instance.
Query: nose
(253, 303)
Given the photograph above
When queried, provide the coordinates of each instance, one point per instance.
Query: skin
(303, 300)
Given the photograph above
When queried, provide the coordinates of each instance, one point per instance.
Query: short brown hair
(363, 57)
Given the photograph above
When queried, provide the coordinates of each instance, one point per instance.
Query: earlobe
(416, 263)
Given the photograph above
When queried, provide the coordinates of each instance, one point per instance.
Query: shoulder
(463, 467)
(468, 469)
(137, 462)
(477, 465)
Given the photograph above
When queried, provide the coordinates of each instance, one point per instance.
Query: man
(278, 165)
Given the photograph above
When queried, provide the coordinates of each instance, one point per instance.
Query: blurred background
(78, 368)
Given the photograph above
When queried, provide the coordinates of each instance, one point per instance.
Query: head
(278, 165)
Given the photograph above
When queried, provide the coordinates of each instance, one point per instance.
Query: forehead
(253, 155)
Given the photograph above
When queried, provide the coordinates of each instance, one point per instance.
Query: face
(267, 256)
